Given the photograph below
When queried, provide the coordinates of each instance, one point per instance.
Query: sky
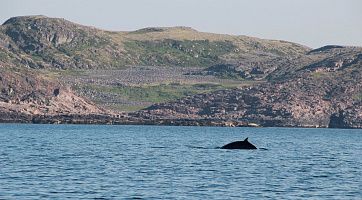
(314, 23)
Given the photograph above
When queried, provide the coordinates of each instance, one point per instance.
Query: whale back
(239, 145)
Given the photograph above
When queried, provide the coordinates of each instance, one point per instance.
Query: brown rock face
(25, 94)
(309, 98)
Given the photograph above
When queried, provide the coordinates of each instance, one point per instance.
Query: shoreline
(111, 120)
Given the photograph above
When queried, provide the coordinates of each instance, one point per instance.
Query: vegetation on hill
(58, 43)
(51, 67)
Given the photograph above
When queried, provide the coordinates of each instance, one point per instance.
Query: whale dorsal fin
(246, 139)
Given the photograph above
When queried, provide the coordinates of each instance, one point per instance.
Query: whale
(239, 145)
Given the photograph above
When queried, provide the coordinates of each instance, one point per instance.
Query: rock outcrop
(24, 94)
(309, 98)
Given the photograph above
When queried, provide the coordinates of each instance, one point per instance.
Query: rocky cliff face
(57, 43)
(24, 94)
(325, 93)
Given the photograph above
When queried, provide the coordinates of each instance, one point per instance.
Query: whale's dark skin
(239, 145)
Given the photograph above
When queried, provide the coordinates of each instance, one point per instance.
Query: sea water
(161, 162)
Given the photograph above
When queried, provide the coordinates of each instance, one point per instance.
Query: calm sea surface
(160, 162)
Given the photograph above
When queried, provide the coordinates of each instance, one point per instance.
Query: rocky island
(56, 71)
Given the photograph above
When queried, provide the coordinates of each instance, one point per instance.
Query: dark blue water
(151, 162)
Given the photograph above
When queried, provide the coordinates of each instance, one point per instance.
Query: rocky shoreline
(128, 120)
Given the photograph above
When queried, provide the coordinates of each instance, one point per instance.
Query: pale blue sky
(310, 22)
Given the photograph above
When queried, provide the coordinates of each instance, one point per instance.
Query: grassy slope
(138, 97)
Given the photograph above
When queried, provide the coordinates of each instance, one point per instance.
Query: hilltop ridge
(54, 42)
